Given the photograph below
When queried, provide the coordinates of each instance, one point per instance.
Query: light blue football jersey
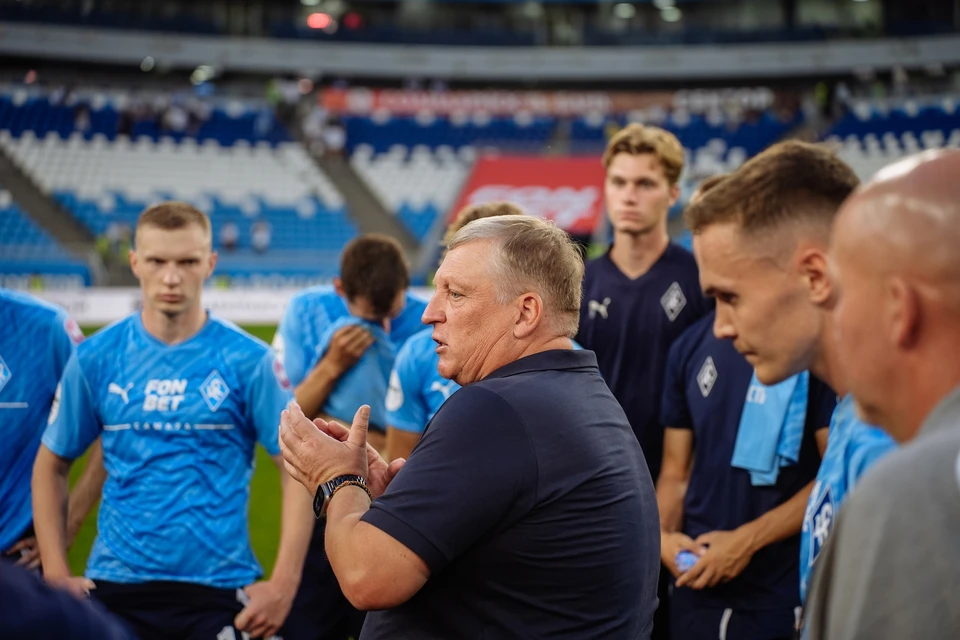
(36, 341)
(312, 311)
(179, 426)
(852, 448)
(417, 390)
(366, 381)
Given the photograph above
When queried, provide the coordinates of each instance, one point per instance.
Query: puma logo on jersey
(445, 389)
(120, 391)
(598, 308)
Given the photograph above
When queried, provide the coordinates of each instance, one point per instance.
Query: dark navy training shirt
(530, 501)
(630, 325)
(705, 390)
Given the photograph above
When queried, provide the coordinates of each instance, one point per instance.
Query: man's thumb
(240, 622)
(358, 430)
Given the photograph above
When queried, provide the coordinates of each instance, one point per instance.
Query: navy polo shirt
(31, 609)
(630, 325)
(529, 499)
(705, 390)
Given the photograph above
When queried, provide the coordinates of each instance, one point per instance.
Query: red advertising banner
(568, 191)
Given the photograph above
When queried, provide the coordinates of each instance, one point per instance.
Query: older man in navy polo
(527, 509)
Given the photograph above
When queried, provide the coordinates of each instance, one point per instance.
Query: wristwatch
(326, 490)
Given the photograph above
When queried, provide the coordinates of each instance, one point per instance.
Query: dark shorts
(163, 610)
(690, 622)
(320, 611)
(661, 617)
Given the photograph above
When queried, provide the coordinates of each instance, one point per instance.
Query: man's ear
(530, 313)
(813, 266)
(338, 287)
(904, 313)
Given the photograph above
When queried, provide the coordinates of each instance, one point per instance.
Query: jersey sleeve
(674, 411)
(474, 473)
(268, 395)
(73, 424)
(288, 344)
(405, 403)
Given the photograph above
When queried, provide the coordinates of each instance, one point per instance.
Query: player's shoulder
(36, 310)
(417, 344)
(225, 332)
(680, 258)
(319, 295)
(415, 300)
(693, 337)
(115, 334)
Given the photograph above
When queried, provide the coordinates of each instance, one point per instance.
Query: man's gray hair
(532, 255)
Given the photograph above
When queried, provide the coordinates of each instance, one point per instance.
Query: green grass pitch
(264, 500)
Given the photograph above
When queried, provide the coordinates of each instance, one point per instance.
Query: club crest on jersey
(160, 395)
(214, 390)
(707, 377)
(5, 373)
(394, 393)
(673, 301)
(820, 523)
(598, 308)
(281, 375)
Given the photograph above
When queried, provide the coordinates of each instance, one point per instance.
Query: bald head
(896, 256)
(907, 221)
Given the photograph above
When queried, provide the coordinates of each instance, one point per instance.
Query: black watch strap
(326, 490)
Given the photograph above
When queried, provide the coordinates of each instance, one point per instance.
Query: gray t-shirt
(891, 568)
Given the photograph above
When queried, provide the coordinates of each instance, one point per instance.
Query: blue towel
(366, 382)
(771, 428)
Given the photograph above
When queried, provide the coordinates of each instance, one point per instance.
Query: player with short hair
(417, 390)
(713, 497)
(180, 398)
(644, 292)
(339, 344)
(37, 340)
(761, 239)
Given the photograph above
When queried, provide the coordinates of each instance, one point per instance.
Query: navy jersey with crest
(179, 425)
(705, 390)
(630, 325)
(35, 343)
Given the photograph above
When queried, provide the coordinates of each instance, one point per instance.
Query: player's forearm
(312, 393)
(51, 488)
(353, 562)
(780, 523)
(670, 493)
(297, 521)
(86, 492)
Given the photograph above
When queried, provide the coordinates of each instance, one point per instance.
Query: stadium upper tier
(873, 134)
(113, 114)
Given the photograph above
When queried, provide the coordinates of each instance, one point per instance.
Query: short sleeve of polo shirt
(474, 471)
(674, 411)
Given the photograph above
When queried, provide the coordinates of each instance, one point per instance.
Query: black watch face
(318, 501)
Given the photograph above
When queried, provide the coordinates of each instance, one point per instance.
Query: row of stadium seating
(27, 249)
(873, 134)
(226, 122)
(103, 182)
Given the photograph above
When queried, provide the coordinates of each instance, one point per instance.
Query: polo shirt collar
(945, 414)
(552, 360)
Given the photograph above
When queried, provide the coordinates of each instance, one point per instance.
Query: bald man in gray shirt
(891, 568)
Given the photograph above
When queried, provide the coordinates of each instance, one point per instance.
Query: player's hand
(29, 552)
(673, 543)
(727, 553)
(313, 457)
(268, 606)
(347, 346)
(78, 586)
(379, 473)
